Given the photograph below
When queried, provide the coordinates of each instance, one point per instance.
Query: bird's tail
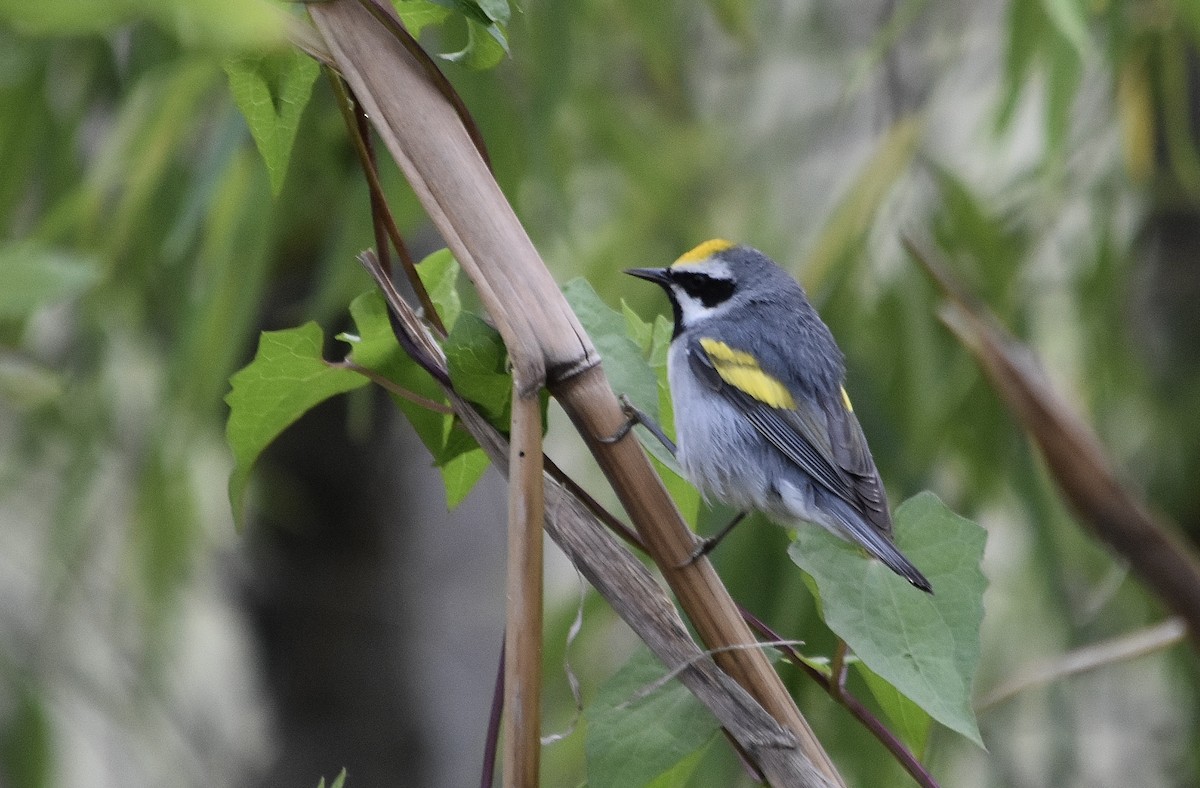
(880, 546)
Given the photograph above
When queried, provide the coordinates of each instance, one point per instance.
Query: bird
(762, 418)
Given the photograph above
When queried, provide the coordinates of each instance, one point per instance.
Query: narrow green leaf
(439, 274)
(1069, 18)
(858, 208)
(245, 25)
(27, 738)
(272, 91)
(287, 377)
(634, 740)
(1027, 32)
(1064, 71)
(927, 646)
(34, 276)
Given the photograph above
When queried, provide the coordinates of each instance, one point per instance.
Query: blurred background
(1049, 148)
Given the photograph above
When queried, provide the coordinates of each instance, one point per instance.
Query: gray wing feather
(825, 441)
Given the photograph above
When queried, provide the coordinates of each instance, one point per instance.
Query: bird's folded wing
(798, 429)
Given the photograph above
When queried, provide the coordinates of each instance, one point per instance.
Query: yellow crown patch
(704, 250)
(739, 369)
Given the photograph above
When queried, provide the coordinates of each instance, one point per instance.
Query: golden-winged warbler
(762, 418)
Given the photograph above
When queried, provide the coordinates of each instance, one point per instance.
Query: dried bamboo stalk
(545, 341)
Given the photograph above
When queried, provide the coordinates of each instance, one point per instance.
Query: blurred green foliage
(1049, 147)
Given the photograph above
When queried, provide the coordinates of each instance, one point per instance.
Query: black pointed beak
(659, 276)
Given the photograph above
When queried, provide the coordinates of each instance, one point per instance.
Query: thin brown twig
(392, 388)
(492, 740)
(839, 693)
(383, 223)
(603, 515)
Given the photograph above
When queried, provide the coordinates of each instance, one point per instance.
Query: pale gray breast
(718, 450)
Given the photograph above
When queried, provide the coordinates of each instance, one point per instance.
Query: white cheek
(691, 308)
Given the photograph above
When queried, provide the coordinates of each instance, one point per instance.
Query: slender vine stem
(383, 223)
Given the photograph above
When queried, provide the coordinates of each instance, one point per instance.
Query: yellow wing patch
(739, 369)
(704, 251)
(846, 400)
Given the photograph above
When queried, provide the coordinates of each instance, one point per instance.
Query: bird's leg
(706, 546)
(633, 417)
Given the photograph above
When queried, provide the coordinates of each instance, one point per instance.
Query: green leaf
(654, 339)
(635, 740)
(439, 274)
(661, 341)
(495, 10)
(27, 738)
(1063, 73)
(910, 722)
(462, 473)
(272, 92)
(624, 363)
(482, 11)
(641, 332)
(287, 377)
(681, 773)
(1069, 18)
(1026, 36)
(477, 360)
(859, 207)
(474, 352)
(338, 782)
(926, 646)
(34, 276)
(245, 25)
(736, 18)
(419, 14)
(486, 46)
(27, 384)
(375, 348)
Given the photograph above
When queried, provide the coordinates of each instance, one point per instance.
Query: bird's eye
(709, 290)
